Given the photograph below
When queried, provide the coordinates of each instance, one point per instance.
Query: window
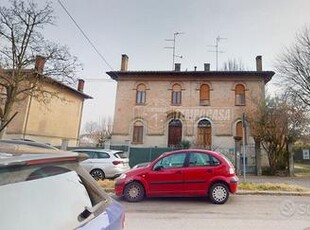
(102, 155)
(204, 94)
(141, 94)
(137, 133)
(90, 154)
(239, 129)
(121, 155)
(201, 159)
(172, 161)
(239, 95)
(176, 97)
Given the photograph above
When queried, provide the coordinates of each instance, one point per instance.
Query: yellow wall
(52, 122)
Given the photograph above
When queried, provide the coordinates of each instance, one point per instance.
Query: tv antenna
(217, 51)
(173, 47)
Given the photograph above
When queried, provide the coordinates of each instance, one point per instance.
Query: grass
(107, 184)
(270, 187)
(302, 169)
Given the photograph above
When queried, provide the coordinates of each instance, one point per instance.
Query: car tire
(134, 192)
(97, 174)
(218, 193)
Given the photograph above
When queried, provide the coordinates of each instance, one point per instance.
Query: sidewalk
(300, 181)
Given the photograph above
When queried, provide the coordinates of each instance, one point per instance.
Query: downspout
(80, 123)
(27, 116)
(80, 89)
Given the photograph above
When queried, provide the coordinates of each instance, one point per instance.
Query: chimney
(259, 65)
(177, 67)
(124, 65)
(80, 85)
(207, 66)
(39, 64)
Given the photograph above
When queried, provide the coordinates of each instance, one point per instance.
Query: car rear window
(120, 155)
(54, 202)
(16, 174)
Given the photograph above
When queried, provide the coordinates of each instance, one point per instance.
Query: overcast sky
(139, 28)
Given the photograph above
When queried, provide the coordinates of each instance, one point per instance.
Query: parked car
(190, 172)
(105, 163)
(45, 189)
(140, 165)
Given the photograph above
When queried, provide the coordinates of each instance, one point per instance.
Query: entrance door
(174, 133)
(204, 133)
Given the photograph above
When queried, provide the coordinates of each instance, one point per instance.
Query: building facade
(57, 121)
(205, 108)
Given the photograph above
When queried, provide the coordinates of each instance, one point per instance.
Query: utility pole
(243, 145)
(173, 47)
(217, 51)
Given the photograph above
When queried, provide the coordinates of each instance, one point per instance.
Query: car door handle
(209, 171)
(178, 172)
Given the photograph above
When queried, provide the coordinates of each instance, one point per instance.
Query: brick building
(162, 108)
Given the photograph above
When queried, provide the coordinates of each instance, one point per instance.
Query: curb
(251, 192)
(272, 193)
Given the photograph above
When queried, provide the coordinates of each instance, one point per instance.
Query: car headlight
(122, 176)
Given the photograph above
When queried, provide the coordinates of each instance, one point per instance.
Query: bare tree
(233, 65)
(294, 68)
(99, 133)
(21, 41)
(277, 123)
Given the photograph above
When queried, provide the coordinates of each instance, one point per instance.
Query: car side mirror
(159, 168)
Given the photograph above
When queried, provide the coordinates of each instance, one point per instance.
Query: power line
(85, 35)
(98, 79)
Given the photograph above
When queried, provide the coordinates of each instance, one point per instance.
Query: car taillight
(231, 170)
(117, 162)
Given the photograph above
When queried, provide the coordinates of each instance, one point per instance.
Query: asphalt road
(240, 212)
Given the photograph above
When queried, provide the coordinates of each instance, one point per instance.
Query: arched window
(204, 134)
(239, 95)
(174, 132)
(137, 136)
(141, 94)
(204, 94)
(239, 129)
(176, 96)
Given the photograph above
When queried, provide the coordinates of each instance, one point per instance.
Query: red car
(191, 172)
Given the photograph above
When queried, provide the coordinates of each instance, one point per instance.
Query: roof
(96, 150)
(22, 155)
(75, 91)
(58, 83)
(28, 142)
(267, 75)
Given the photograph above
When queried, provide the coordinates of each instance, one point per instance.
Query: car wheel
(134, 192)
(97, 174)
(219, 193)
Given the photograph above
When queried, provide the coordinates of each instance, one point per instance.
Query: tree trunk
(258, 157)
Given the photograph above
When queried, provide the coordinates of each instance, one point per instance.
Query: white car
(104, 163)
(48, 189)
